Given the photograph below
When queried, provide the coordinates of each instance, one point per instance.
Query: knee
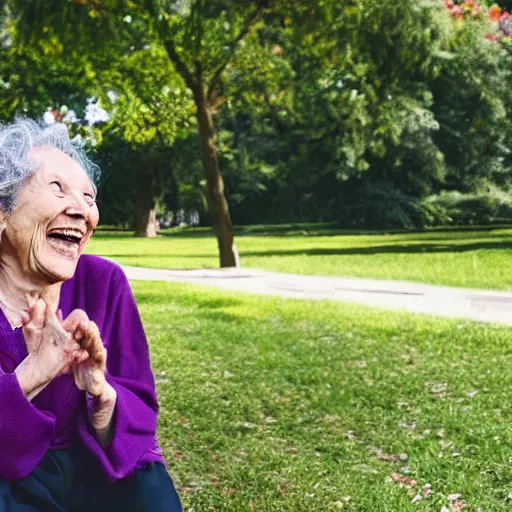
(155, 490)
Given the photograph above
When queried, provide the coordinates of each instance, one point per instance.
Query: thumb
(75, 319)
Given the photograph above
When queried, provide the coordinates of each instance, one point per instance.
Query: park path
(480, 305)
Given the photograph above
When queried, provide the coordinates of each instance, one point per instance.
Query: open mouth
(66, 241)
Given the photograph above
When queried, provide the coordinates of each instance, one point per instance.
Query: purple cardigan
(58, 415)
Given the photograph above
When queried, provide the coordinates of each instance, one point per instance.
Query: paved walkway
(481, 305)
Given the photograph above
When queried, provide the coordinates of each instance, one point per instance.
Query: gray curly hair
(17, 139)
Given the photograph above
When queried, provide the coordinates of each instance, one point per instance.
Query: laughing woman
(78, 407)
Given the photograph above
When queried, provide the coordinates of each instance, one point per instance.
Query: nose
(77, 206)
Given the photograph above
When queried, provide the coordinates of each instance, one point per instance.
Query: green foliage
(471, 209)
(334, 111)
(381, 206)
(36, 75)
(472, 105)
(152, 104)
(204, 35)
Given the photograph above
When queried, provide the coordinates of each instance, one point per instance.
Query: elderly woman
(78, 404)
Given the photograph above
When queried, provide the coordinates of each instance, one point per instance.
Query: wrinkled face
(54, 217)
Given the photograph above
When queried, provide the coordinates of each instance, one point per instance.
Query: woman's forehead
(52, 162)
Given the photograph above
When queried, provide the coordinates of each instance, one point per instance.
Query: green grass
(470, 258)
(281, 405)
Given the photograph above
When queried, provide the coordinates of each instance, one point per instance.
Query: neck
(18, 292)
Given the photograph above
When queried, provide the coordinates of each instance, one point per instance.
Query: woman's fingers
(82, 356)
(77, 375)
(72, 348)
(39, 313)
(74, 319)
(80, 333)
(25, 317)
(33, 323)
(88, 335)
(93, 343)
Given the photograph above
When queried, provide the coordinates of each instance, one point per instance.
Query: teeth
(67, 232)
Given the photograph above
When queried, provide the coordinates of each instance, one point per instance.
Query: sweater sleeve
(129, 373)
(25, 431)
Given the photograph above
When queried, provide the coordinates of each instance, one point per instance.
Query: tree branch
(233, 47)
(179, 64)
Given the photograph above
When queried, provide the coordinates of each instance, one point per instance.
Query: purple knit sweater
(58, 415)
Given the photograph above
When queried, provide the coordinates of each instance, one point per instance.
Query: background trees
(365, 114)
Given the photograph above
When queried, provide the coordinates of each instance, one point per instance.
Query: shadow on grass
(382, 249)
(395, 248)
(309, 230)
(163, 256)
(206, 306)
(306, 230)
(333, 229)
(215, 303)
(453, 237)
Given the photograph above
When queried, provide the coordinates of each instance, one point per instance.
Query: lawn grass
(280, 405)
(479, 258)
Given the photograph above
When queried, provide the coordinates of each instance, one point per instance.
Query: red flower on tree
(495, 12)
(500, 20)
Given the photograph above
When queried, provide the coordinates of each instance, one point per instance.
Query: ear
(3, 220)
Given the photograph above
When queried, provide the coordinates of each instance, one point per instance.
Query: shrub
(471, 209)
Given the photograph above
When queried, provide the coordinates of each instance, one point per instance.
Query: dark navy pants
(67, 481)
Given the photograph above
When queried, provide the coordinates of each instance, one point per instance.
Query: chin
(51, 267)
(61, 271)
(54, 253)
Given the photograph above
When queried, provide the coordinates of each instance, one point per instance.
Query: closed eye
(56, 187)
(90, 199)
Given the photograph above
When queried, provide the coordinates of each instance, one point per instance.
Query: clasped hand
(72, 345)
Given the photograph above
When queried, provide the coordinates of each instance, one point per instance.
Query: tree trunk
(146, 224)
(217, 204)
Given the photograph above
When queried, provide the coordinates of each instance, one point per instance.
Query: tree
(202, 39)
(472, 101)
(151, 105)
(35, 75)
(150, 108)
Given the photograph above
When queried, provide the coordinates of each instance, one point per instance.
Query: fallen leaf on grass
(356, 364)
(381, 455)
(351, 435)
(365, 468)
(402, 479)
(341, 503)
(389, 457)
(408, 426)
(246, 424)
(456, 502)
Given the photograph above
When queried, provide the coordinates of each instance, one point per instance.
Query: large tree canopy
(359, 112)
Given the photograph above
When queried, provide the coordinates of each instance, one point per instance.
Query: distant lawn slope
(477, 258)
(277, 405)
